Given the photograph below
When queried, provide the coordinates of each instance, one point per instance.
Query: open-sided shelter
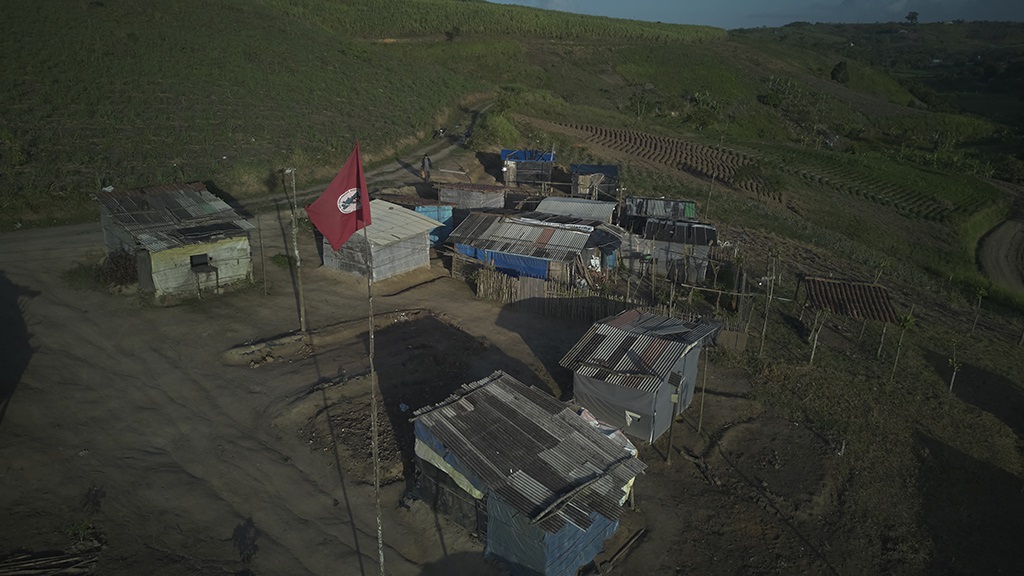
(511, 463)
(399, 243)
(595, 181)
(536, 245)
(526, 166)
(852, 299)
(637, 371)
(185, 240)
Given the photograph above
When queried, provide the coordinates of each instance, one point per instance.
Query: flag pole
(295, 247)
(373, 404)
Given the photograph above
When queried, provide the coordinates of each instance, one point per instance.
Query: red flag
(344, 207)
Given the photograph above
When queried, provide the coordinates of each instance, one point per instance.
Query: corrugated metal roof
(609, 170)
(681, 232)
(166, 216)
(390, 223)
(408, 200)
(860, 300)
(578, 208)
(532, 450)
(473, 187)
(634, 349)
(513, 235)
(661, 208)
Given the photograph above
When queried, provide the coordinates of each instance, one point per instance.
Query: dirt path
(1000, 253)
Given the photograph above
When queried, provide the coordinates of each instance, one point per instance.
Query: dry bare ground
(197, 440)
(151, 431)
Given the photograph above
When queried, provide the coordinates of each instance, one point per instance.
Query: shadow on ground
(973, 510)
(991, 392)
(460, 563)
(549, 337)
(16, 350)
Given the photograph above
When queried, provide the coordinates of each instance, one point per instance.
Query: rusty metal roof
(522, 236)
(859, 300)
(171, 215)
(635, 349)
(530, 449)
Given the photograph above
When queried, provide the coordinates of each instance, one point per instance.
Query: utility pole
(295, 248)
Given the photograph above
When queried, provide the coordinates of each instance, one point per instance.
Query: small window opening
(200, 260)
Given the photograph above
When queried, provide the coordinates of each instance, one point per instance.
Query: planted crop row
(874, 189)
(695, 159)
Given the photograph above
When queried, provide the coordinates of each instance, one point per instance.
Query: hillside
(881, 151)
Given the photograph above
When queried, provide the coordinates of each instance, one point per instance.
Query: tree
(912, 17)
(841, 72)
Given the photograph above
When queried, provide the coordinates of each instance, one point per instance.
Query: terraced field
(914, 203)
(697, 160)
(928, 197)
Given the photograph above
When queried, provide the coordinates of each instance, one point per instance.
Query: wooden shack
(539, 484)
(185, 241)
(399, 243)
(636, 371)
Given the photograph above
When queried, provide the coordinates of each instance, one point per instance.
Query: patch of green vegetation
(112, 271)
(282, 261)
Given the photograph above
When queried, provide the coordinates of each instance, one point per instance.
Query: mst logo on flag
(348, 201)
(344, 207)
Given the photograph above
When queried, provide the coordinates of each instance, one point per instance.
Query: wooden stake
(904, 324)
(767, 302)
(881, 341)
(817, 332)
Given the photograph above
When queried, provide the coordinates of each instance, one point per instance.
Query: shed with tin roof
(542, 486)
(636, 371)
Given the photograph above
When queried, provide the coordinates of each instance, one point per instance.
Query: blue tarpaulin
(527, 156)
(511, 264)
(442, 214)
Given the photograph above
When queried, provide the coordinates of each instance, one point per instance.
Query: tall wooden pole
(373, 404)
(768, 301)
(295, 248)
(703, 391)
(263, 254)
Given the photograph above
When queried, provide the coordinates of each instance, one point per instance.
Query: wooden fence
(560, 301)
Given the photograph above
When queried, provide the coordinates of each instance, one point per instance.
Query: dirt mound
(784, 462)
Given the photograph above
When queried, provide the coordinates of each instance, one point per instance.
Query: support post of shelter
(816, 329)
(703, 392)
